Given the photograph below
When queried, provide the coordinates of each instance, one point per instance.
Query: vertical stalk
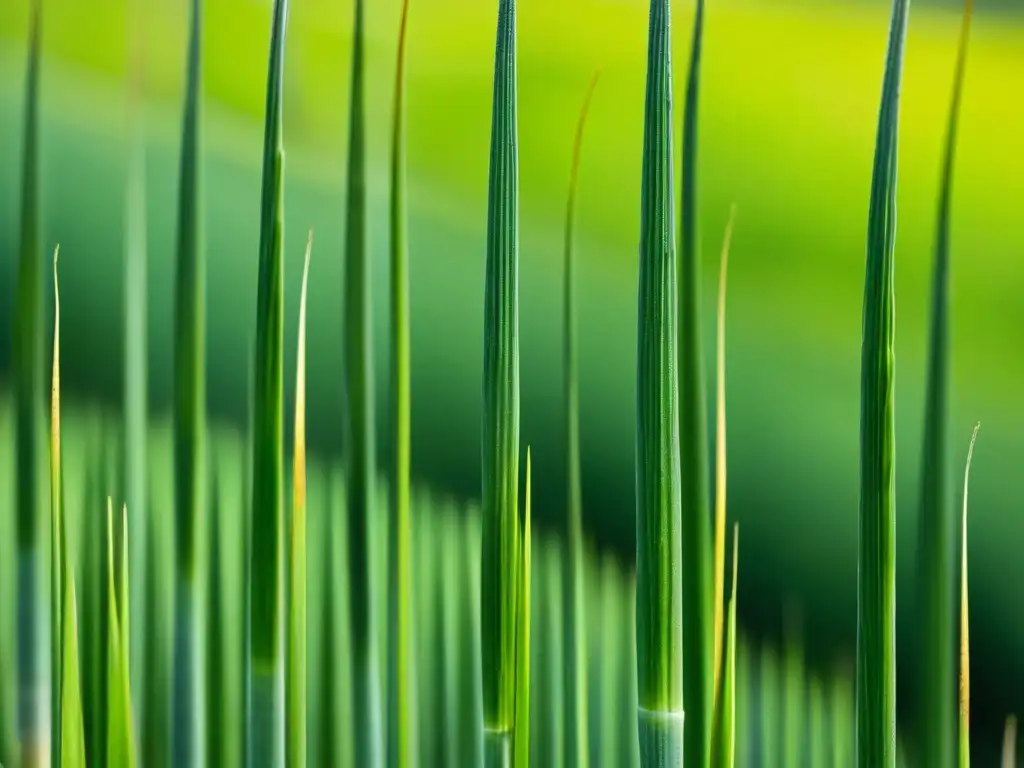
(575, 667)
(698, 610)
(500, 450)
(401, 751)
(189, 419)
(359, 426)
(265, 731)
(658, 531)
(964, 741)
(33, 697)
(876, 596)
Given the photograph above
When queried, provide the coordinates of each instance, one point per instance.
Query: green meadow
(789, 109)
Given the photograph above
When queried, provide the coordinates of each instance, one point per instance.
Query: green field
(789, 108)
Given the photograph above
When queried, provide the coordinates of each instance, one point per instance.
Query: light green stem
(661, 738)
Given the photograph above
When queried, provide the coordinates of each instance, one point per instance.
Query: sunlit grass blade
(658, 530)
(265, 730)
(33, 733)
(575, 664)
(296, 672)
(876, 596)
(57, 533)
(720, 456)
(189, 417)
(522, 715)
(723, 742)
(1009, 758)
(72, 729)
(500, 450)
(120, 740)
(400, 736)
(936, 522)
(358, 411)
(964, 742)
(698, 611)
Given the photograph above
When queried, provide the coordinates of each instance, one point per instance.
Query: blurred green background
(788, 115)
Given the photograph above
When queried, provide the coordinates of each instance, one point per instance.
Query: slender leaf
(575, 620)
(720, 456)
(120, 740)
(266, 625)
(723, 742)
(72, 729)
(522, 722)
(876, 600)
(28, 383)
(401, 739)
(658, 531)
(500, 450)
(964, 751)
(57, 547)
(698, 610)
(936, 522)
(296, 681)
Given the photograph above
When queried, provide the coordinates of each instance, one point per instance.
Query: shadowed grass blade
(936, 522)
(522, 722)
(698, 611)
(296, 681)
(217, 749)
(358, 411)
(876, 598)
(575, 665)
(189, 417)
(120, 746)
(720, 456)
(723, 742)
(266, 665)
(964, 750)
(500, 450)
(1009, 759)
(135, 331)
(400, 698)
(28, 381)
(57, 534)
(658, 532)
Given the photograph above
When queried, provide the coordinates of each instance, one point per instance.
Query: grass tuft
(575, 720)
(876, 597)
(964, 751)
(500, 446)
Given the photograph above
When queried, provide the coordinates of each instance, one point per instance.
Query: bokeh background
(788, 115)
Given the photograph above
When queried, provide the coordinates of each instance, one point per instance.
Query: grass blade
(723, 742)
(936, 523)
(189, 417)
(522, 722)
(575, 666)
(658, 532)
(698, 611)
(500, 450)
(401, 749)
(72, 729)
(57, 534)
(359, 425)
(120, 746)
(33, 733)
(266, 667)
(720, 456)
(217, 677)
(296, 681)
(1009, 759)
(964, 751)
(816, 736)
(876, 599)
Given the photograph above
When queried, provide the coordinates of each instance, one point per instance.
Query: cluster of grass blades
(476, 627)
